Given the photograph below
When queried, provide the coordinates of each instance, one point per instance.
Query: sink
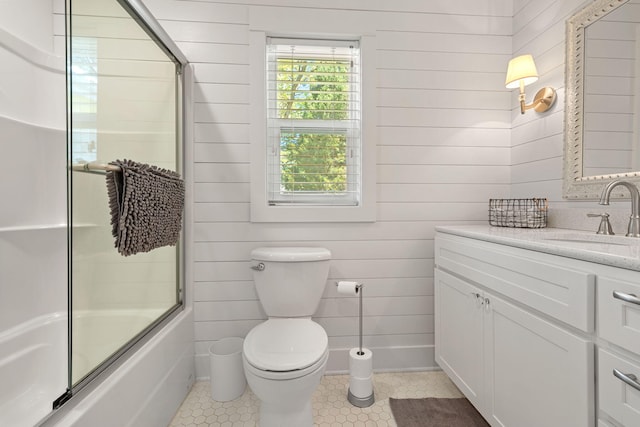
(592, 239)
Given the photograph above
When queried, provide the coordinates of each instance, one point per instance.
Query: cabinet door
(619, 392)
(619, 312)
(537, 373)
(458, 334)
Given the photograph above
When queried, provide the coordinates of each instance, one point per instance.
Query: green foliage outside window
(313, 160)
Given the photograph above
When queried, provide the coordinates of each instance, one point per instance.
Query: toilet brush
(360, 359)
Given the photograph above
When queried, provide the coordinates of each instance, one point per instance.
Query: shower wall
(33, 240)
(33, 189)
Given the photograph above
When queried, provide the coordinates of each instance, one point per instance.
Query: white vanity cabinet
(507, 323)
(516, 368)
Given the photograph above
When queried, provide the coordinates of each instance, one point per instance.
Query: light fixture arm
(543, 101)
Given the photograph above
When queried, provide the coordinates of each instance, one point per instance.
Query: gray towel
(146, 205)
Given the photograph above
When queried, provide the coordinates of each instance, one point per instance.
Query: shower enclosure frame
(152, 28)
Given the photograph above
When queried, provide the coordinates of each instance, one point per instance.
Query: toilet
(285, 357)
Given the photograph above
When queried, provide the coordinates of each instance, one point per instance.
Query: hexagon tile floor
(330, 405)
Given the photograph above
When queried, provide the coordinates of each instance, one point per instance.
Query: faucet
(634, 221)
(605, 225)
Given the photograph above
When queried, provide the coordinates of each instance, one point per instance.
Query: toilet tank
(292, 281)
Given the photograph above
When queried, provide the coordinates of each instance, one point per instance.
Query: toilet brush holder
(360, 359)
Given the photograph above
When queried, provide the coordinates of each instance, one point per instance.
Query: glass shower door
(123, 99)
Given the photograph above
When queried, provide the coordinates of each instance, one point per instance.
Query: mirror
(602, 100)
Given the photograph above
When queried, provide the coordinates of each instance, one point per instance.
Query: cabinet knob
(478, 297)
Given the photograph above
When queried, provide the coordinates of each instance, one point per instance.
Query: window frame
(261, 209)
(277, 125)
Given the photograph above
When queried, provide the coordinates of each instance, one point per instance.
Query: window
(313, 122)
(313, 127)
(84, 90)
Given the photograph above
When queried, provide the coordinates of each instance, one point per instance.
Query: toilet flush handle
(259, 267)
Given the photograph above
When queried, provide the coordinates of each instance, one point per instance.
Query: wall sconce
(522, 72)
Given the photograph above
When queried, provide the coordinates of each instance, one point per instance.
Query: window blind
(313, 122)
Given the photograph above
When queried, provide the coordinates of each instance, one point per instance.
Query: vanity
(540, 327)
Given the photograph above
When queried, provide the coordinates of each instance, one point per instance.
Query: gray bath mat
(433, 412)
(146, 204)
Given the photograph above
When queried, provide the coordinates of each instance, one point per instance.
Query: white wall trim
(187, 171)
(387, 359)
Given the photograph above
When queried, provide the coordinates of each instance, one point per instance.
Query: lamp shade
(521, 68)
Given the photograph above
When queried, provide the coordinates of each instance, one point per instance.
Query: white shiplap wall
(443, 125)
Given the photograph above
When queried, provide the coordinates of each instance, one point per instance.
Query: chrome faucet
(634, 221)
(605, 225)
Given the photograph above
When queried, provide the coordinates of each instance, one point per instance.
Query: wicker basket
(518, 213)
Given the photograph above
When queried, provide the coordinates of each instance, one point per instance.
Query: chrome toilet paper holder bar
(359, 287)
(360, 401)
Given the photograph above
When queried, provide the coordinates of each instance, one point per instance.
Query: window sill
(312, 213)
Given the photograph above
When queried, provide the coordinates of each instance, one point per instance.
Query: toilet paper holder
(362, 395)
(357, 287)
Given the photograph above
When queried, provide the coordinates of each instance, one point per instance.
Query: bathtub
(145, 389)
(33, 369)
(33, 357)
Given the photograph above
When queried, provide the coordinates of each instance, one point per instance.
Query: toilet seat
(287, 375)
(282, 345)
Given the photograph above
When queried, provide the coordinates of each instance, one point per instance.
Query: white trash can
(227, 374)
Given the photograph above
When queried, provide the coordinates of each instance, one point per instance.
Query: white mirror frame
(575, 185)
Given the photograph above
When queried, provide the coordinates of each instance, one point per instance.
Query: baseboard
(385, 359)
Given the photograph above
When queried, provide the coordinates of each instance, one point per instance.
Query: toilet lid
(285, 344)
(290, 254)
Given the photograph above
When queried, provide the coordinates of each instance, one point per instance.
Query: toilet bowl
(285, 357)
(284, 361)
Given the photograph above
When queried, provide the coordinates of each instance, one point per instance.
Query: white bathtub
(145, 390)
(33, 369)
(33, 357)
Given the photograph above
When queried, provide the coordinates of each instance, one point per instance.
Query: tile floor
(330, 405)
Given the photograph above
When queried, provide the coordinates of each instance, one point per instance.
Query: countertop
(616, 251)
